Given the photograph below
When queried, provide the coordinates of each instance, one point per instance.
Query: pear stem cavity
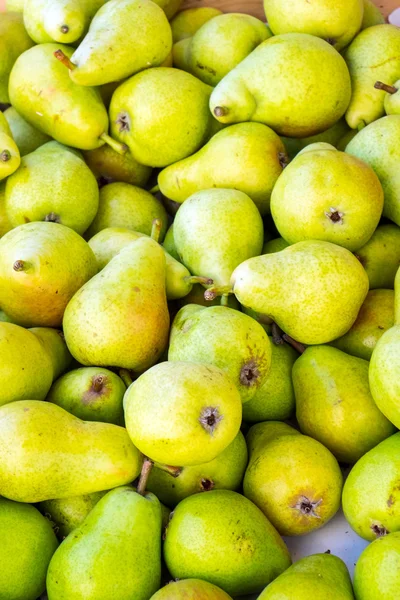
(173, 471)
(379, 530)
(63, 58)
(335, 215)
(390, 89)
(126, 377)
(210, 418)
(207, 485)
(156, 230)
(220, 111)
(5, 156)
(123, 122)
(215, 291)
(117, 146)
(144, 476)
(249, 373)
(283, 159)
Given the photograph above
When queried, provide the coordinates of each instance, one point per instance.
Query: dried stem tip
(156, 230)
(390, 89)
(64, 29)
(173, 471)
(5, 156)
(63, 58)
(220, 111)
(19, 265)
(144, 475)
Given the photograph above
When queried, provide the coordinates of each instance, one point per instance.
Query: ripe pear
(372, 56)
(9, 155)
(115, 553)
(371, 495)
(27, 137)
(5, 224)
(170, 7)
(380, 256)
(14, 40)
(187, 22)
(125, 205)
(42, 265)
(292, 478)
(315, 308)
(375, 317)
(377, 573)
(54, 342)
(225, 472)
(324, 194)
(274, 400)
(319, 576)
(223, 538)
(47, 453)
(108, 164)
(333, 135)
(183, 413)
(28, 543)
(180, 102)
(190, 589)
(68, 513)
(226, 161)
(372, 15)
(383, 373)
(275, 245)
(91, 394)
(169, 243)
(260, 87)
(215, 230)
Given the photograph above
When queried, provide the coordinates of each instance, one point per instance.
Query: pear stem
(5, 156)
(20, 265)
(126, 377)
(202, 280)
(296, 345)
(215, 290)
(390, 89)
(278, 337)
(276, 334)
(156, 230)
(144, 476)
(155, 189)
(117, 146)
(173, 471)
(63, 58)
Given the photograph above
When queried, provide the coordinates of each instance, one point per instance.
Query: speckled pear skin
(313, 290)
(187, 22)
(68, 513)
(116, 552)
(190, 589)
(376, 574)
(26, 137)
(14, 40)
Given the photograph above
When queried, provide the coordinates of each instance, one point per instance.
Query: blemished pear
(377, 573)
(182, 413)
(380, 256)
(48, 453)
(68, 513)
(108, 164)
(226, 161)
(14, 40)
(260, 87)
(190, 589)
(187, 22)
(315, 308)
(27, 137)
(120, 318)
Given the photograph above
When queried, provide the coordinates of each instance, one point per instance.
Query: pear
(223, 538)
(375, 317)
(333, 135)
(115, 553)
(383, 373)
(190, 589)
(225, 472)
(170, 7)
(215, 230)
(371, 492)
(92, 394)
(28, 543)
(125, 205)
(377, 573)
(380, 256)
(54, 342)
(111, 166)
(187, 22)
(372, 15)
(377, 146)
(292, 478)
(391, 102)
(319, 576)
(27, 137)
(68, 513)
(274, 400)
(120, 318)
(182, 413)
(169, 243)
(42, 265)
(336, 23)
(260, 87)
(196, 296)
(327, 195)
(39, 192)
(9, 155)
(14, 40)
(226, 338)
(315, 308)
(180, 102)
(47, 453)
(5, 225)
(275, 245)
(226, 161)
(373, 55)
(15, 5)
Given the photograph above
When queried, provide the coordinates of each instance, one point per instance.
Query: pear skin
(68, 513)
(54, 342)
(14, 40)
(190, 589)
(170, 7)
(27, 137)
(108, 164)
(392, 98)
(5, 224)
(380, 256)
(67, 21)
(377, 574)
(383, 373)
(275, 245)
(187, 22)
(169, 243)
(333, 135)
(372, 15)
(9, 156)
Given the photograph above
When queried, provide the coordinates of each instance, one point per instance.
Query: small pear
(275, 245)
(187, 22)
(392, 98)
(380, 256)
(14, 40)
(190, 589)
(372, 15)
(377, 573)
(27, 137)
(54, 342)
(111, 166)
(68, 513)
(169, 243)
(333, 135)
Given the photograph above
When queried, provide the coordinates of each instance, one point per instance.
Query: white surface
(394, 18)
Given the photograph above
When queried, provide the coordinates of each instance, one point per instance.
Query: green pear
(47, 453)
(190, 589)
(334, 404)
(380, 256)
(125, 205)
(14, 40)
(315, 308)
(25, 366)
(333, 135)
(120, 317)
(180, 54)
(324, 194)
(260, 88)
(226, 338)
(38, 192)
(226, 161)
(54, 342)
(223, 538)
(68, 513)
(383, 373)
(372, 15)
(4, 318)
(28, 543)
(169, 243)
(91, 394)
(371, 492)
(215, 230)
(225, 472)
(5, 225)
(275, 245)
(27, 137)
(274, 400)
(196, 296)
(377, 573)
(187, 22)
(170, 7)
(108, 164)
(375, 317)
(42, 265)
(292, 478)
(183, 413)
(372, 56)
(392, 98)
(9, 155)
(180, 102)
(114, 553)
(319, 576)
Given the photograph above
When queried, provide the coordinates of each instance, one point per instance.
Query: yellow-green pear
(54, 342)
(196, 296)
(391, 102)
(333, 135)
(187, 22)
(384, 372)
(68, 513)
(15, 5)
(183, 413)
(9, 155)
(260, 88)
(110, 165)
(48, 453)
(248, 157)
(5, 224)
(292, 478)
(372, 56)
(42, 265)
(324, 194)
(377, 573)
(380, 256)
(313, 290)
(275, 245)
(372, 15)
(190, 589)
(170, 7)
(27, 137)
(14, 40)
(169, 243)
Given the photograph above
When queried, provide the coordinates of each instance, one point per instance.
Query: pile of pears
(199, 299)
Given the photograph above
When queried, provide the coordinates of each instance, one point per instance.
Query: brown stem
(98, 383)
(156, 230)
(173, 471)
(63, 58)
(276, 334)
(19, 265)
(126, 377)
(203, 280)
(117, 146)
(296, 345)
(390, 89)
(5, 156)
(220, 111)
(144, 475)
(215, 291)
